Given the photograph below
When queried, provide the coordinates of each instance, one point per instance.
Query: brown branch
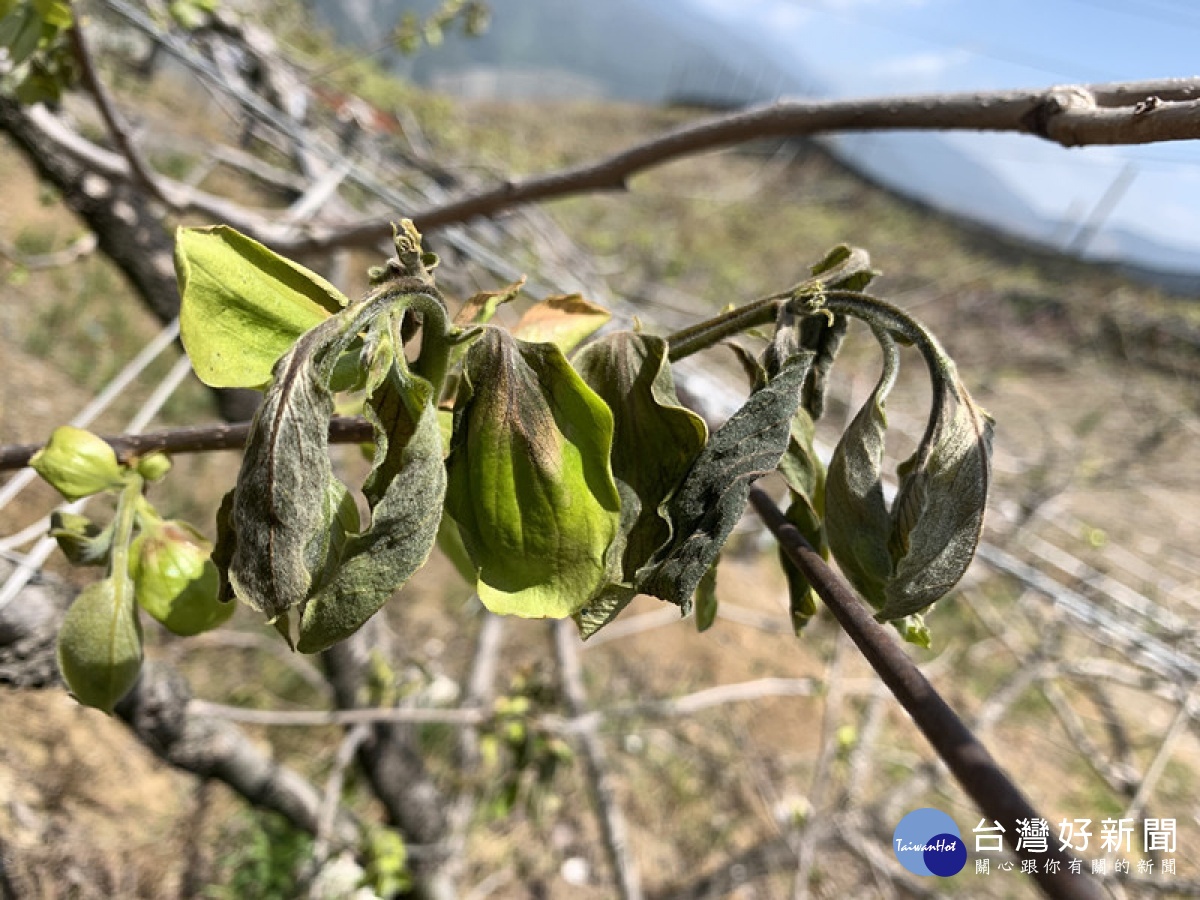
(190, 439)
(1129, 113)
(968, 760)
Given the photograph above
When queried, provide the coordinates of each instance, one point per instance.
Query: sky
(858, 48)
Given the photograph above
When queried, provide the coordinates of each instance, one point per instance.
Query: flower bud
(77, 463)
(175, 580)
(80, 539)
(153, 466)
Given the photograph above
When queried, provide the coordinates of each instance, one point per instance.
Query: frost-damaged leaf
(857, 522)
(242, 305)
(529, 479)
(655, 438)
(566, 320)
(281, 512)
(938, 513)
(713, 494)
(100, 643)
(479, 309)
(405, 490)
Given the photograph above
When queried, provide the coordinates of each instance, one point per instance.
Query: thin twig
(118, 130)
(969, 761)
(191, 439)
(331, 799)
(600, 780)
(75, 251)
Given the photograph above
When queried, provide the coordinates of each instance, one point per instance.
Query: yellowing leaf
(242, 305)
(529, 479)
(566, 320)
(479, 309)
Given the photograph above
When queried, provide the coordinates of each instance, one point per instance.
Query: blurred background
(746, 761)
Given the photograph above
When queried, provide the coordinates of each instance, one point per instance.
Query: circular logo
(927, 842)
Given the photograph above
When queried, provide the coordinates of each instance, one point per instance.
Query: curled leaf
(280, 512)
(242, 305)
(713, 495)
(530, 484)
(938, 512)
(857, 521)
(479, 309)
(630, 373)
(100, 643)
(405, 491)
(80, 539)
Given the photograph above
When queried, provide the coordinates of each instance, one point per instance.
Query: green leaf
(100, 643)
(857, 522)
(713, 495)
(566, 320)
(706, 599)
(80, 539)
(54, 12)
(655, 439)
(243, 305)
(280, 514)
(529, 479)
(938, 514)
(21, 33)
(405, 491)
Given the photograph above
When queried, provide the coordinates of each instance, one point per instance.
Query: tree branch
(1128, 113)
(969, 761)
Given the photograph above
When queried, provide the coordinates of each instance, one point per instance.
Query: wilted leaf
(857, 522)
(280, 509)
(100, 643)
(243, 305)
(713, 495)
(938, 513)
(405, 490)
(655, 439)
(529, 479)
(566, 320)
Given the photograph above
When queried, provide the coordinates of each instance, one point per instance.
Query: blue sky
(874, 47)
